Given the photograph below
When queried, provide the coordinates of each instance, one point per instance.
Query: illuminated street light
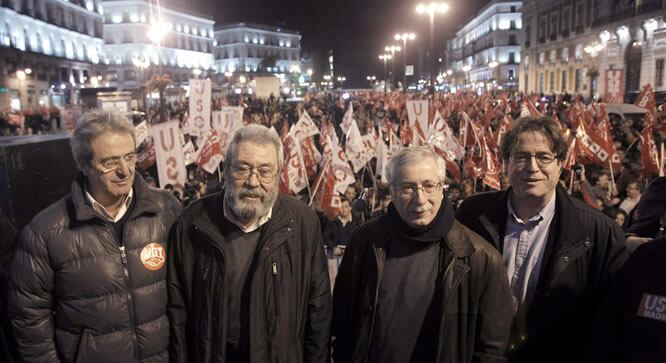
(309, 72)
(392, 49)
(20, 74)
(432, 9)
(385, 58)
(593, 50)
(404, 37)
(197, 72)
(28, 71)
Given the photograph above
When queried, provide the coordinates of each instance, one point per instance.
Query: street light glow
(20, 75)
(28, 71)
(157, 31)
(493, 64)
(432, 8)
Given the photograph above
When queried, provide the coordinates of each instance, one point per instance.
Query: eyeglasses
(521, 159)
(408, 190)
(111, 164)
(264, 174)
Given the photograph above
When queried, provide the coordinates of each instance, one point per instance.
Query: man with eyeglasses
(248, 277)
(415, 285)
(560, 254)
(88, 280)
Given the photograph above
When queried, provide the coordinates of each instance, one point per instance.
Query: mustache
(251, 193)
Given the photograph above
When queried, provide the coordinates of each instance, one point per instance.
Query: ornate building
(251, 48)
(142, 40)
(485, 53)
(50, 50)
(595, 48)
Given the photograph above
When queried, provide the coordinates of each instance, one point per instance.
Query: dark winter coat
(584, 250)
(75, 295)
(290, 302)
(476, 301)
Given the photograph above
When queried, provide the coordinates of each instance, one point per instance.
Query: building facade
(50, 50)
(142, 40)
(607, 49)
(255, 48)
(485, 53)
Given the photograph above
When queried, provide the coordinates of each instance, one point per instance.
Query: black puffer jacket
(75, 296)
(290, 298)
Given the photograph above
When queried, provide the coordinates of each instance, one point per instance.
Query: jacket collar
(83, 211)
(494, 220)
(212, 215)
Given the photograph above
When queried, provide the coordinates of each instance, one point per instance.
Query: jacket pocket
(68, 344)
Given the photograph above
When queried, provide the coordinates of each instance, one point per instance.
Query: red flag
(406, 136)
(451, 166)
(491, 166)
(469, 131)
(646, 99)
(311, 157)
(570, 160)
(330, 198)
(146, 157)
(505, 125)
(528, 108)
(210, 154)
(649, 154)
(591, 147)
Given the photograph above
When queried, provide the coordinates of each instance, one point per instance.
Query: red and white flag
(169, 154)
(210, 154)
(441, 135)
(417, 112)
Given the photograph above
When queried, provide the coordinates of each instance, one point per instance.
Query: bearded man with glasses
(248, 277)
(415, 285)
(88, 281)
(560, 254)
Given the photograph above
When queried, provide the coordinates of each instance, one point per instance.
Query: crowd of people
(430, 265)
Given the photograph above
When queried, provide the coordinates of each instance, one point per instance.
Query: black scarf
(433, 232)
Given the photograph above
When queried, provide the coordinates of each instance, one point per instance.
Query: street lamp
(392, 49)
(405, 37)
(342, 80)
(371, 79)
(466, 68)
(432, 9)
(593, 50)
(385, 58)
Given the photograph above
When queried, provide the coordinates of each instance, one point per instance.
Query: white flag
(200, 95)
(141, 132)
(169, 154)
(226, 122)
(305, 127)
(189, 153)
(417, 111)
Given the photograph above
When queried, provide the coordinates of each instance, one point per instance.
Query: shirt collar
(545, 213)
(101, 210)
(229, 215)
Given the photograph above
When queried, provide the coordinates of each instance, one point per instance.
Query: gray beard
(246, 211)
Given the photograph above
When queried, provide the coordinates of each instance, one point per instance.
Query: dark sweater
(409, 291)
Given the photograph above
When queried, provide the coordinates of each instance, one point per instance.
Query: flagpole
(661, 164)
(319, 179)
(610, 190)
(300, 156)
(571, 180)
(219, 174)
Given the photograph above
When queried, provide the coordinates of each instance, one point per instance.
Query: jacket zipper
(276, 297)
(379, 256)
(130, 298)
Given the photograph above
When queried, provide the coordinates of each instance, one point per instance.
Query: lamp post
(385, 58)
(392, 49)
(404, 37)
(432, 9)
(20, 75)
(466, 68)
(493, 65)
(593, 50)
(142, 65)
(156, 33)
(371, 80)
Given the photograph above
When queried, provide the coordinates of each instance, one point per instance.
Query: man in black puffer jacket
(88, 276)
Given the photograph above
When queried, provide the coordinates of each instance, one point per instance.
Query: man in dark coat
(560, 254)
(415, 285)
(248, 278)
(631, 323)
(8, 352)
(88, 280)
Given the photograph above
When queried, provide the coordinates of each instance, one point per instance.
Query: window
(541, 78)
(542, 58)
(542, 29)
(527, 60)
(577, 80)
(565, 55)
(579, 52)
(552, 81)
(565, 21)
(553, 56)
(659, 72)
(512, 24)
(511, 74)
(564, 81)
(512, 58)
(553, 25)
(580, 14)
(130, 75)
(112, 76)
(513, 40)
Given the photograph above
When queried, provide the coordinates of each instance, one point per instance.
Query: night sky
(356, 30)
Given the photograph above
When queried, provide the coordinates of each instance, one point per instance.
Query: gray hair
(91, 125)
(257, 134)
(414, 155)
